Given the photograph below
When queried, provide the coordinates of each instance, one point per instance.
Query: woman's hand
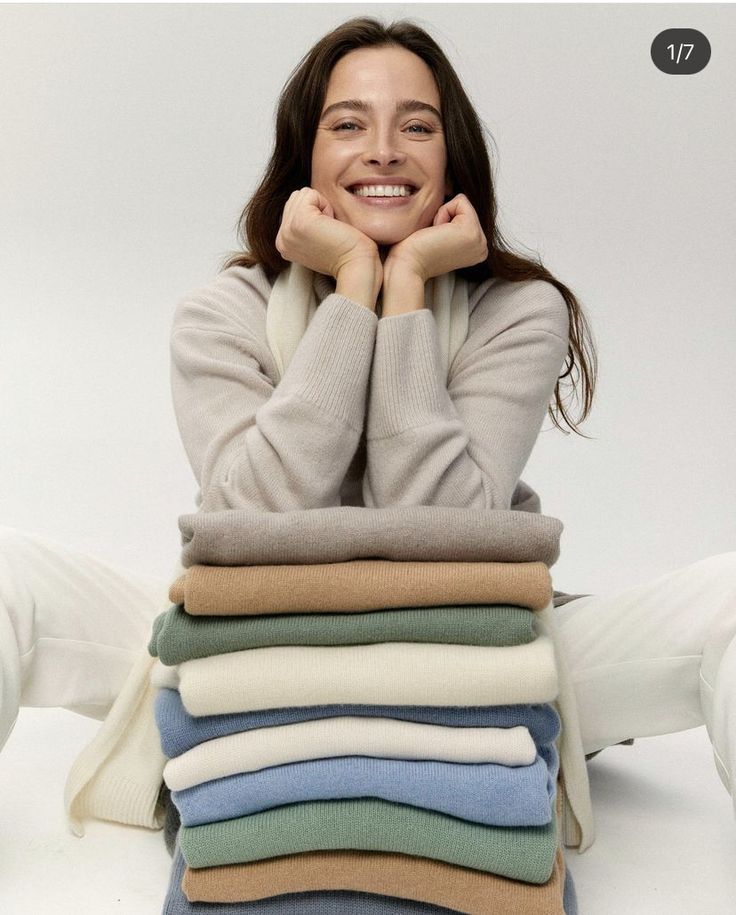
(310, 235)
(454, 240)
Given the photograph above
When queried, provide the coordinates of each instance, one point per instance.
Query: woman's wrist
(360, 280)
(403, 289)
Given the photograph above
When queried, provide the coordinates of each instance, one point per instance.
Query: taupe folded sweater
(422, 533)
(358, 585)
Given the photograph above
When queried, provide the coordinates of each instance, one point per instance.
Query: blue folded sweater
(488, 793)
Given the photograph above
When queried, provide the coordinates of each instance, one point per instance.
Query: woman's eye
(411, 127)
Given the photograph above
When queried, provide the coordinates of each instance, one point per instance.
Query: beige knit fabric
(359, 585)
(461, 889)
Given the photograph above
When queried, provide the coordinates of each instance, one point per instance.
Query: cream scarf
(293, 302)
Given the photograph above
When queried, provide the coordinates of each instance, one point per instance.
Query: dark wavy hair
(297, 118)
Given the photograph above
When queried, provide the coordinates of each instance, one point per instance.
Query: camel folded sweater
(403, 876)
(359, 585)
(177, 636)
(181, 731)
(521, 853)
(389, 673)
(497, 795)
(420, 533)
(315, 903)
(379, 737)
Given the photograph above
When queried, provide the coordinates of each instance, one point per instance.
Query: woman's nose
(383, 150)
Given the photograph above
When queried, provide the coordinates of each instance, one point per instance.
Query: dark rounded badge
(680, 51)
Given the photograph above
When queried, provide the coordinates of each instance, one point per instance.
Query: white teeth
(382, 190)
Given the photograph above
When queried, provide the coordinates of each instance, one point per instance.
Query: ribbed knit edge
(408, 389)
(118, 776)
(576, 821)
(342, 334)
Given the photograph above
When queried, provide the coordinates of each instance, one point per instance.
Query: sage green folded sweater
(368, 824)
(179, 637)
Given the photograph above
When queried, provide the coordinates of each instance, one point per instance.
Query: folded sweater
(497, 795)
(389, 673)
(359, 585)
(322, 902)
(178, 636)
(404, 876)
(521, 853)
(420, 533)
(181, 731)
(322, 738)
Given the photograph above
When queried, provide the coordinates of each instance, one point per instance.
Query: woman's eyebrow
(403, 107)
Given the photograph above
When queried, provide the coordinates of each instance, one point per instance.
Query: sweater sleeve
(463, 442)
(253, 443)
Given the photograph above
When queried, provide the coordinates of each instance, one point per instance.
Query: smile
(382, 190)
(382, 197)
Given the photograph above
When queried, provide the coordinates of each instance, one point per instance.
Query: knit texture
(318, 903)
(177, 636)
(420, 879)
(522, 853)
(98, 784)
(418, 533)
(497, 795)
(293, 303)
(389, 673)
(359, 585)
(378, 737)
(181, 731)
(269, 442)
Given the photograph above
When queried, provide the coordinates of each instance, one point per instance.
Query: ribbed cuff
(331, 365)
(408, 386)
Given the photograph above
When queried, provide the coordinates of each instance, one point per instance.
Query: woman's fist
(310, 235)
(454, 240)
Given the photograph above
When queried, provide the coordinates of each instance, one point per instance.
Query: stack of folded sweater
(356, 708)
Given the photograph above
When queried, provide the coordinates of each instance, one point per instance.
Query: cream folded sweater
(386, 673)
(348, 735)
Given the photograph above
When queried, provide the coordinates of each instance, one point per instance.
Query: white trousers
(653, 659)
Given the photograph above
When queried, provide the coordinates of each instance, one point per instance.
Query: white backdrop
(132, 137)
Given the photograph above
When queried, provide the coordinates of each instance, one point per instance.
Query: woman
(310, 373)
(348, 124)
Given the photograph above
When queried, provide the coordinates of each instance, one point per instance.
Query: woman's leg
(70, 627)
(655, 659)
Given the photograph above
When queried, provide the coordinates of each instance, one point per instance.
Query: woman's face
(381, 130)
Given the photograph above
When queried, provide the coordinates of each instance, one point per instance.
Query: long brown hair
(289, 168)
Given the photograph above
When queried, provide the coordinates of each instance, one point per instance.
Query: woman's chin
(385, 235)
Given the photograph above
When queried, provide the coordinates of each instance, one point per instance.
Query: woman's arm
(253, 443)
(464, 442)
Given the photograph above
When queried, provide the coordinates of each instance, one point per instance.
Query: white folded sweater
(387, 673)
(348, 735)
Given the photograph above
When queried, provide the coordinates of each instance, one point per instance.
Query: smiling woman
(403, 110)
(379, 155)
(375, 344)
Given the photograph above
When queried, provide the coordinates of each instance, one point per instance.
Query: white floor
(666, 838)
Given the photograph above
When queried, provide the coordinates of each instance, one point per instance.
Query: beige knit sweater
(365, 413)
